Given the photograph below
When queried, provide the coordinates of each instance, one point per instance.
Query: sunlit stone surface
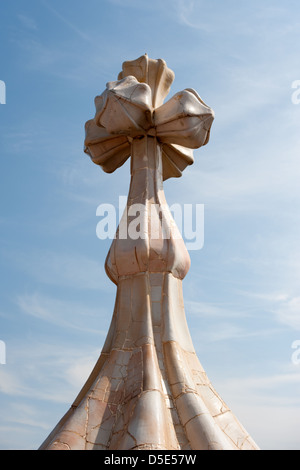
(148, 389)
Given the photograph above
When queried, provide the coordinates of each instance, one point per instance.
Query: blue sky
(242, 293)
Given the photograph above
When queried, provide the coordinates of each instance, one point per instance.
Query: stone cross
(148, 389)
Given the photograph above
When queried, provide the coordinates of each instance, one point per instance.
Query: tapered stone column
(148, 389)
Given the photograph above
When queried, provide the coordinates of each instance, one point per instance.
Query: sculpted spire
(148, 389)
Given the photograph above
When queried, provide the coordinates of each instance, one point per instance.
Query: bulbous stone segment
(106, 150)
(125, 107)
(184, 120)
(147, 238)
(111, 151)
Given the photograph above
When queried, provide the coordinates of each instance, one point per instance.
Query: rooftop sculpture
(148, 389)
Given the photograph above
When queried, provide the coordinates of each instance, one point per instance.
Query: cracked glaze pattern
(148, 389)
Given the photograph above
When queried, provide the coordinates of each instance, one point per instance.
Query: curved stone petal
(108, 151)
(153, 72)
(184, 120)
(175, 159)
(125, 107)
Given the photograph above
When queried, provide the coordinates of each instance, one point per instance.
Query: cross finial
(133, 106)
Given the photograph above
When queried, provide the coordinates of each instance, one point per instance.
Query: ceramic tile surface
(148, 389)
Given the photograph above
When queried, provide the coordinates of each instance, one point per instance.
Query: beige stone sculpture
(148, 389)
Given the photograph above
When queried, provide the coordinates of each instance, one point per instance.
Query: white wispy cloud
(189, 16)
(28, 21)
(10, 383)
(25, 415)
(287, 312)
(284, 306)
(52, 371)
(61, 269)
(256, 388)
(213, 309)
(243, 20)
(68, 23)
(66, 314)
